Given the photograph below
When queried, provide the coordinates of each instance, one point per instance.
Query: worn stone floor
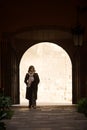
(47, 118)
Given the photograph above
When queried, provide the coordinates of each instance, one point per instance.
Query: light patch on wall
(54, 67)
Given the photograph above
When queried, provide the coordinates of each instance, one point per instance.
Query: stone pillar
(14, 77)
(9, 73)
(76, 76)
(0, 68)
(5, 66)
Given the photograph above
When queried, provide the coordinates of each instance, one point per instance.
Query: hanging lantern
(78, 35)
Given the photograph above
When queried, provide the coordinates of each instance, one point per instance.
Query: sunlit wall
(54, 67)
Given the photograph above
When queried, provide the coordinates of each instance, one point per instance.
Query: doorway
(54, 67)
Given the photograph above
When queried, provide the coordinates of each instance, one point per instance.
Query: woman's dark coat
(34, 86)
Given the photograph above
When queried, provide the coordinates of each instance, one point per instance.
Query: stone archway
(55, 70)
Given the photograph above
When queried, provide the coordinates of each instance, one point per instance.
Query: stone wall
(54, 67)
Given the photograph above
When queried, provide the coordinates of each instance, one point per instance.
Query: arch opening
(54, 67)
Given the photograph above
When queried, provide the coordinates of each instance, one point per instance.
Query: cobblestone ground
(47, 118)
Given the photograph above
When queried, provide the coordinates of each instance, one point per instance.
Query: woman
(32, 80)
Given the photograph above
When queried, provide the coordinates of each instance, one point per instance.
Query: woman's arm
(26, 78)
(36, 78)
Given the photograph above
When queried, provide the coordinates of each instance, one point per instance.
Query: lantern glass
(78, 34)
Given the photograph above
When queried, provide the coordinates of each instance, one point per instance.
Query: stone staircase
(60, 117)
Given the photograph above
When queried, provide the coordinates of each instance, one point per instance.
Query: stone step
(59, 117)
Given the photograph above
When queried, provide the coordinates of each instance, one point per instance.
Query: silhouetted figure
(32, 80)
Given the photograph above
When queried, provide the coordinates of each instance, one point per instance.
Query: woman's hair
(31, 67)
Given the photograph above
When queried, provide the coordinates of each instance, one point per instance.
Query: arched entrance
(54, 67)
